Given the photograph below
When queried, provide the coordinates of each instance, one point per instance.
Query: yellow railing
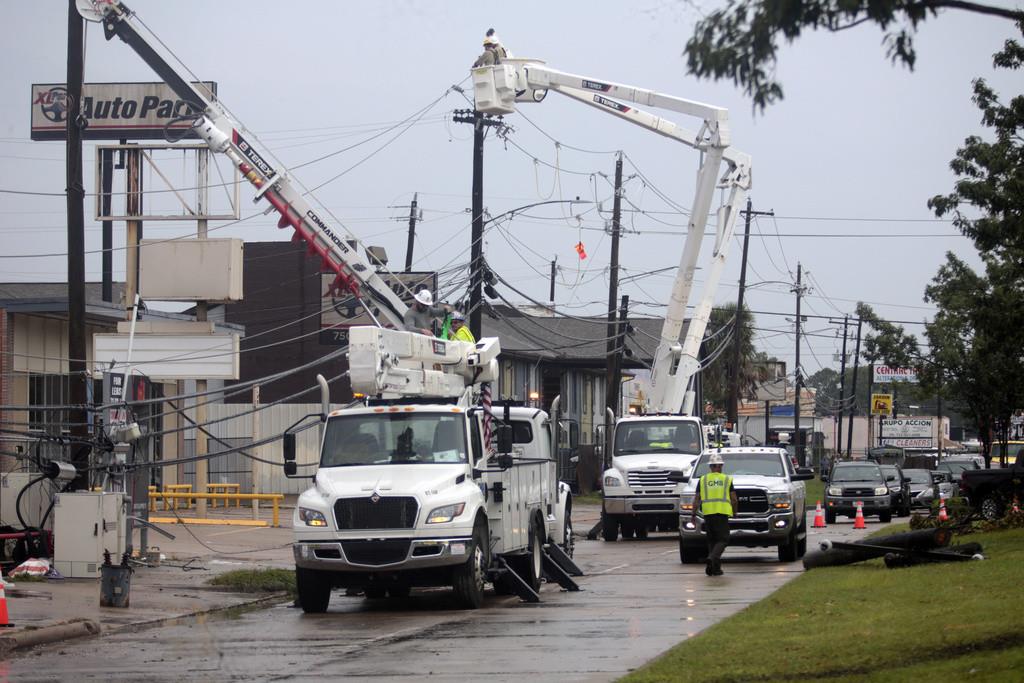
(274, 498)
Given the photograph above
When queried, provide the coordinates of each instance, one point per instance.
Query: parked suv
(772, 503)
(850, 482)
(899, 490)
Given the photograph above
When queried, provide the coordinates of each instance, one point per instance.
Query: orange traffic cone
(858, 521)
(819, 517)
(943, 517)
(4, 619)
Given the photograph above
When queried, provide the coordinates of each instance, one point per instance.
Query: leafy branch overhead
(741, 41)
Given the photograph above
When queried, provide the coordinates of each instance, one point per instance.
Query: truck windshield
(394, 439)
(649, 437)
(764, 465)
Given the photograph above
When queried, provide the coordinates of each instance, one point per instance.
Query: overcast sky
(847, 161)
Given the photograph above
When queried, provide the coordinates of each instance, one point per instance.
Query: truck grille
(649, 478)
(858, 491)
(376, 553)
(387, 513)
(752, 500)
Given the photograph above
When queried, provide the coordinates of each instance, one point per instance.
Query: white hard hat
(715, 459)
(458, 315)
(425, 297)
(490, 40)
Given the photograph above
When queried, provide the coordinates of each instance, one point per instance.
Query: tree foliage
(974, 350)
(741, 41)
(752, 366)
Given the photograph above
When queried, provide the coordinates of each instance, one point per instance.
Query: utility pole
(480, 123)
(551, 295)
(734, 374)
(613, 380)
(77, 395)
(615, 360)
(853, 402)
(842, 391)
(412, 233)
(797, 380)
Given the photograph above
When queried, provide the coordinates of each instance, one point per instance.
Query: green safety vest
(714, 494)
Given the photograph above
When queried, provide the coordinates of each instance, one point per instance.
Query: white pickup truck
(772, 498)
(404, 497)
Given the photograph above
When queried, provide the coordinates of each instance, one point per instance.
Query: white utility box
(33, 503)
(84, 525)
(191, 270)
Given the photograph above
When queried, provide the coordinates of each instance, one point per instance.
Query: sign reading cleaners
(909, 432)
(884, 374)
(114, 111)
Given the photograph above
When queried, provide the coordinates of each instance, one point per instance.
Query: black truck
(990, 492)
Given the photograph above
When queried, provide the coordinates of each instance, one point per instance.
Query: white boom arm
(353, 272)
(496, 88)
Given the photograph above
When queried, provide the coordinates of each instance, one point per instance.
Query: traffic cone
(4, 619)
(858, 521)
(819, 517)
(943, 517)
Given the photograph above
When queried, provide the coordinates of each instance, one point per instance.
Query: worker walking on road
(716, 499)
(459, 331)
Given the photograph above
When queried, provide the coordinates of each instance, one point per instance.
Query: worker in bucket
(716, 499)
(421, 315)
(493, 52)
(459, 331)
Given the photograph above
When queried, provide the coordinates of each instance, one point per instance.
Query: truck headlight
(780, 501)
(445, 513)
(686, 503)
(881, 490)
(612, 480)
(835, 491)
(312, 517)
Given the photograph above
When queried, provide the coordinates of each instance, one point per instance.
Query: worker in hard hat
(716, 500)
(459, 330)
(421, 315)
(493, 52)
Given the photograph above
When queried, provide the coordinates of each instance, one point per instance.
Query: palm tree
(753, 364)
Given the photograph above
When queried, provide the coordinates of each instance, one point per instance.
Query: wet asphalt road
(637, 601)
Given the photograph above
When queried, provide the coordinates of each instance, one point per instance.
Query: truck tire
(469, 577)
(789, 551)
(532, 567)
(690, 553)
(830, 517)
(314, 588)
(640, 530)
(991, 507)
(628, 529)
(609, 528)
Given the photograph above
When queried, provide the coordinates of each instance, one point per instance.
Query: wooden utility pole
(842, 391)
(798, 444)
(613, 377)
(412, 233)
(480, 123)
(77, 395)
(734, 371)
(853, 401)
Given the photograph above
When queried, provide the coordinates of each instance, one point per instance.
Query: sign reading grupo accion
(114, 111)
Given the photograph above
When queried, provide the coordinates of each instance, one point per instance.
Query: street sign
(884, 374)
(908, 432)
(881, 404)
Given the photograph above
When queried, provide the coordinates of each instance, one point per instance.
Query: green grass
(865, 622)
(588, 498)
(256, 580)
(815, 492)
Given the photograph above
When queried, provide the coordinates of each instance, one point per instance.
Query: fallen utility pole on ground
(923, 544)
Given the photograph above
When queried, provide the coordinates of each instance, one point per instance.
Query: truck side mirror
(504, 438)
(504, 460)
(288, 448)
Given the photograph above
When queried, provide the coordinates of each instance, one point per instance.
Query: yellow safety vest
(714, 494)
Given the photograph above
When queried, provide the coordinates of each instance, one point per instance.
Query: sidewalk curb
(81, 628)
